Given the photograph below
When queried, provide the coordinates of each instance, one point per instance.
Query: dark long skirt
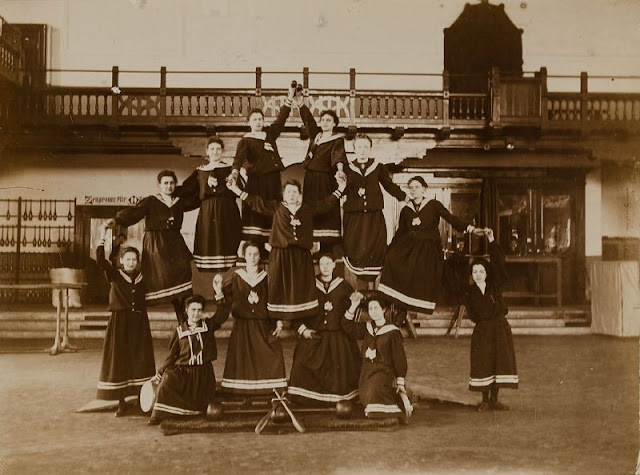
(413, 273)
(127, 357)
(325, 370)
(377, 392)
(166, 266)
(254, 364)
(365, 243)
(218, 235)
(256, 226)
(317, 186)
(493, 358)
(185, 391)
(292, 284)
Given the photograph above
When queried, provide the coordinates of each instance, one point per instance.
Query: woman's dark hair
(215, 139)
(170, 173)
(249, 244)
(195, 298)
(127, 249)
(419, 179)
(255, 110)
(292, 182)
(332, 114)
(363, 137)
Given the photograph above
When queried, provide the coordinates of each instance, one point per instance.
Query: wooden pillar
(494, 92)
(446, 125)
(352, 96)
(115, 97)
(258, 87)
(584, 95)
(162, 99)
(544, 104)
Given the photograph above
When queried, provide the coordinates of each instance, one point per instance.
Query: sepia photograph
(332, 237)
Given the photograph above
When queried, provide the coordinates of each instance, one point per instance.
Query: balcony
(510, 102)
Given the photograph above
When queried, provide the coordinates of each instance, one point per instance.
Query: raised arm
(356, 330)
(309, 122)
(275, 129)
(339, 155)
(325, 205)
(189, 187)
(457, 223)
(133, 214)
(103, 263)
(223, 305)
(388, 184)
(499, 273)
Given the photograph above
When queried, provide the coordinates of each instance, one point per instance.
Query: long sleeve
(191, 202)
(388, 184)
(189, 187)
(309, 122)
(103, 263)
(133, 214)
(327, 203)
(221, 314)
(499, 275)
(403, 226)
(399, 357)
(356, 330)
(260, 205)
(275, 129)
(457, 223)
(338, 153)
(242, 156)
(174, 353)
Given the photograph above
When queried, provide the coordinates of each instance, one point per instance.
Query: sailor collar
(207, 167)
(367, 171)
(174, 200)
(332, 285)
(412, 205)
(126, 277)
(251, 280)
(256, 135)
(386, 328)
(183, 329)
(319, 140)
(293, 209)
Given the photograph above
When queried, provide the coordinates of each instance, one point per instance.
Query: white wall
(569, 36)
(593, 213)
(620, 200)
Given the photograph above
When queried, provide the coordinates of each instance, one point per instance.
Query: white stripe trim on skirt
(326, 233)
(123, 384)
(175, 410)
(256, 231)
(414, 302)
(254, 383)
(272, 307)
(168, 292)
(362, 270)
(498, 379)
(321, 396)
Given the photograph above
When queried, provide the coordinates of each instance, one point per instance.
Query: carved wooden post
(258, 87)
(352, 96)
(162, 98)
(494, 92)
(305, 78)
(115, 96)
(446, 125)
(544, 104)
(584, 95)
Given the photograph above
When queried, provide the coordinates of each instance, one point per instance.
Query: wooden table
(59, 344)
(538, 260)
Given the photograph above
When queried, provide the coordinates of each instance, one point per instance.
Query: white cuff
(302, 329)
(337, 194)
(349, 315)
(400, 381)
(219, 297)
(470, 228)
(101, 242)
(288, 102)
(244, 195)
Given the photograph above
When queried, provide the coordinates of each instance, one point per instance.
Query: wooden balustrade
(511, 101)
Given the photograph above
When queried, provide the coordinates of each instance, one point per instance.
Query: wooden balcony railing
(11, 53)
(510, 102)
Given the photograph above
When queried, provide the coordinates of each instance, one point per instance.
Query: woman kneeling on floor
(384, 363)
(187, 382)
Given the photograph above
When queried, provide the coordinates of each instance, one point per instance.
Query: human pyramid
(328, 368)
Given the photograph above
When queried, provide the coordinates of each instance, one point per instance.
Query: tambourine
(148, 396)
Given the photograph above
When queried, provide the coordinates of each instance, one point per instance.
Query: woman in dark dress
(186, 379)
(384, 362)
(326, 361)
(365, 229)
(290, 278)
(414, 264)
(254, 364)
(166, 260)
(219, 226)
(325, 157)
(127, 356)
(493, 358)
(257, 160)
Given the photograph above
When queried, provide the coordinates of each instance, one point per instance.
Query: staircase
(39, 321)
